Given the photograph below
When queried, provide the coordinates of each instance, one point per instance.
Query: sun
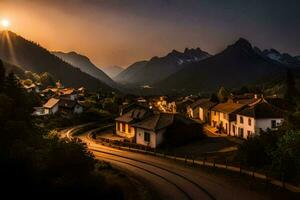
(5, 23)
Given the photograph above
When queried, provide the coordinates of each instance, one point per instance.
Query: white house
(130, 115)
(223, 114)
(70, 106)
(255, 118)
(150, 131)
(69, 93)
(51, 107)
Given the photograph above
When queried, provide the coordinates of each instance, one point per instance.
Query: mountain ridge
(157, 68)
(33, 57)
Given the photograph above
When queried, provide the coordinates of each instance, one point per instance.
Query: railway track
(189, 188)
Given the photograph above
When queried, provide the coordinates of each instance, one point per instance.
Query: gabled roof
(51, 103)
(203, 103)
(134, 114)
(262, 110)
(67, 91)
(156, 122)
(228, 107)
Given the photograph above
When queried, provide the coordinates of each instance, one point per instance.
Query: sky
(121, 32)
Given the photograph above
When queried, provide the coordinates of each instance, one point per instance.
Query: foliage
(223, 94)
(34, 162)
(291, 93)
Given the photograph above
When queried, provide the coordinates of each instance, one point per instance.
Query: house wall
(215, 118)
(248, 128)
(78, 109)
(155, 138)
(201, 114)
(264, 124)
(220, 119)
(125, 130)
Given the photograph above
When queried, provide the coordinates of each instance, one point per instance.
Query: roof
(156, 122)
(66, 103)
(228, 107)
(203, 103)
(51, 103)
(132, 115)
(262, 110)
(67, 91)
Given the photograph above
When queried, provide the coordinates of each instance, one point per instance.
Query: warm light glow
(5, 23)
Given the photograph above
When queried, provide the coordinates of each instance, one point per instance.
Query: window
(233, 129)
(248, 133)
(249, 122)
(273, 124)
(146, 137)
(241, 132)
(121, 127)
(241, 120)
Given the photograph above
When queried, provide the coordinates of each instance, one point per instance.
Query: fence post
(185, 161)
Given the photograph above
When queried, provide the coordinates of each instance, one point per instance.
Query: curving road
(170, 179)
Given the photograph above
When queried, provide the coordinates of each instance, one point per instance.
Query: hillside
(159, 68)
(237, 65)
(33, 57)
(85, 65)
(112, 71)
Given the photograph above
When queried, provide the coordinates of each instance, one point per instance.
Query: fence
(191, 161)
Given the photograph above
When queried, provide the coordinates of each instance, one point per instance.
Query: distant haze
(120, 32)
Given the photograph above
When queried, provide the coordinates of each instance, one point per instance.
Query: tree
(223, 94)
(214, 98)
(2, 75)
(291, 93)
(47, 80)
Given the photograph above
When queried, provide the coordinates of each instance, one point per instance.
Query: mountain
(84, 64)
(297, 57)
(237, 65)
(112, 71)
(19, 71)
(283, 58)
(33, 57)
(159, 68)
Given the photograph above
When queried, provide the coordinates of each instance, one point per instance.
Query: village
(147, 120)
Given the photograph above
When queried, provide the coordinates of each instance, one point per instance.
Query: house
(32, 88)
(223, 114)
(200, 109)
(255, 118)
(145, 127)
(150, 131)
(69, 93)
(130, 115)
(51, 106)
(205, 110)
(70, 106)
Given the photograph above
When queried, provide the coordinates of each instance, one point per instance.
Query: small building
(130, 115)
(69, 93)
(150, 131)
(255, 118)
(70, 106)
(223, 114)
(200, 109)
(51, 107)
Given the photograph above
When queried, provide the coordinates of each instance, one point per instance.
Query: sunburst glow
(5, 23)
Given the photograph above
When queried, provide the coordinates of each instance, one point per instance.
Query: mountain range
(159, 68)
(84, 64)
(32, 57)
(239, 64)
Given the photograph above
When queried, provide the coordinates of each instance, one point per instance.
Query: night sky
(120, 32)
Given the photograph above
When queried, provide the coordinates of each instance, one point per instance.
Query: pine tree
(223, 94)
(2, 75)
(291, 93)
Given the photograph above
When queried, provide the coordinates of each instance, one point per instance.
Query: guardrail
(146, 150)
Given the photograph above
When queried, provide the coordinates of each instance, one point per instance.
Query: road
(170, 179)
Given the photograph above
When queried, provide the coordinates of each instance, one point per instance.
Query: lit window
(249, 122)
(241, 120)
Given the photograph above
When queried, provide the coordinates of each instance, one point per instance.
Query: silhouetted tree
(2, 75)
(291, 93)
(223, 94)
(214, 98)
